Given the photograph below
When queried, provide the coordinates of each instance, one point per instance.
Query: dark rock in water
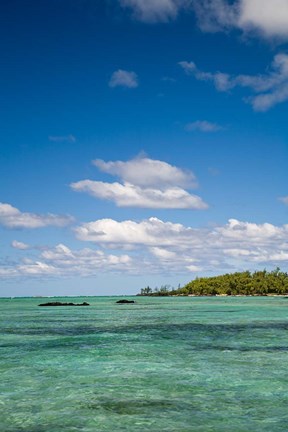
(125, 301)
(63, 304)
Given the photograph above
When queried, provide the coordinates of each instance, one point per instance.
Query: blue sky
(141, 142)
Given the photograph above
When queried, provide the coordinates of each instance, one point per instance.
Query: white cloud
(19, 245)
(258, 256)
(128, 195)
(183, 247)
(270, 89)
(11, 217)
(154, 232)
(143, 171)
(162, 253)
(85, 261)
(216, 15)
(166, 239)
(265, 17)
(63, 262)
(146, 183)
(150, 232)
(65, 138)
(269, 17)
(256, 233)
(154, 246)
(222, 81)
(122, 78)
(203, 126)
(152, 11)
(284, 200)
(37, 268)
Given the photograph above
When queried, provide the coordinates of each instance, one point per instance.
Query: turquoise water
(163, 364)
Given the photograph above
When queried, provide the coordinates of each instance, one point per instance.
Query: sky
(142, 142)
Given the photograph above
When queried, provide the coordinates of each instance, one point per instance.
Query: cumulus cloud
(163, 254)
(269, 17)
(86, 261)
(269, 89)
(155, 232)
(128, 195)
(150, 232)
(264, 17)
(256, 233)
(61, 261)
(153, 246)
(11, 217)
(145, 183)
(19, 245)
(203, 126)
(183, 248)
(143, 171)
(36, 268)
(122, 78)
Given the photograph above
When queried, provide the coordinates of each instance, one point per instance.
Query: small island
(125, 301)
(64, 304)
(259, 283)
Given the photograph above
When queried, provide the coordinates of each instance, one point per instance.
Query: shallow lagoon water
(162, 364)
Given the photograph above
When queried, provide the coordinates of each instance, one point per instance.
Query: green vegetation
(164, 290)
(259, 283)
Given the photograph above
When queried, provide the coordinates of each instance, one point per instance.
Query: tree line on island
(258, 283)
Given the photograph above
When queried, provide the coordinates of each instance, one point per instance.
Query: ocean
(209, 364)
